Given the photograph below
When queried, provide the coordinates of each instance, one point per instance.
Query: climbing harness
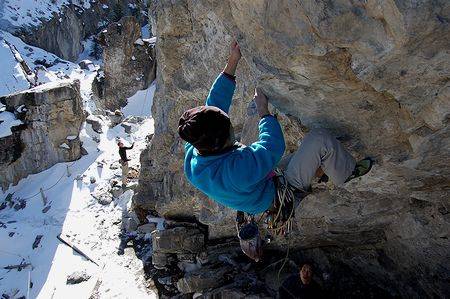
(279, 217)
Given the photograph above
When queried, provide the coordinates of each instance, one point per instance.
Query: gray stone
(203, 279)
(178, 240)
(115, 117)
(146, 228)
(53, 112)
(77, 277)
(160, 260)
(95, 122)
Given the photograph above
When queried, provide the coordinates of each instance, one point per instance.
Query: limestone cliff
(52, 116)
(375, 73)
(129, 63)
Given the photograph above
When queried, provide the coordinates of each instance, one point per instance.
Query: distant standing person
(301, 285)
(124, 161)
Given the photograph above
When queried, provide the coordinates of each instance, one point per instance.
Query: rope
(48, 188)
(284, 194)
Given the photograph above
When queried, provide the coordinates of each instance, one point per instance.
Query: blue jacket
(237, 179)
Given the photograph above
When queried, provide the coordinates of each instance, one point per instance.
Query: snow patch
(7, 121)
(140, 104)
(65, 146)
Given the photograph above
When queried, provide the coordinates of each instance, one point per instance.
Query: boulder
(53, 116)
(178, 240)
(86, 65)
(374, 73)
(203, 279)
(77, 277)
(96, 123)
(146, 228)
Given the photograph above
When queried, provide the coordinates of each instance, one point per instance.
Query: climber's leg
(124, 173)
(319, 149)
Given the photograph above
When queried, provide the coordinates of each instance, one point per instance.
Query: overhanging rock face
(52, 116)
(375, 73)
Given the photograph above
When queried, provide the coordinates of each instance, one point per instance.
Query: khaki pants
(318, 149)
(124, 173)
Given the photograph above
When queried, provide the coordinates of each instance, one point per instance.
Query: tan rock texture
(375, 73)
(52, 115)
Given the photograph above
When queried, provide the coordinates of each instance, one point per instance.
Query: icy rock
(77, 277)
(134, 119)
(96, 123)
(105, 199)
(86, 65)
(93, 180)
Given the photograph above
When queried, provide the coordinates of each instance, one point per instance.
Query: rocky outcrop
(374, 73)
(52, 116)
(64, 33)
(129, 63)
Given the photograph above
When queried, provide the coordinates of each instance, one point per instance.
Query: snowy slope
(22, 13)
(71, 210)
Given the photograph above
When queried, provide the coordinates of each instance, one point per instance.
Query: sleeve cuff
(231, 77)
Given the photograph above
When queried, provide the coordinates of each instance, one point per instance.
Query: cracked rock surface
(375, 73)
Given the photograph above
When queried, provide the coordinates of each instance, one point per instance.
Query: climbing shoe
(362, 167)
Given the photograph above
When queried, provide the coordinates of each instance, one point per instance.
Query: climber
(300, 285)
(124, 161)
(243, 177)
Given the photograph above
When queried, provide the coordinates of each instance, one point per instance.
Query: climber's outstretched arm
(222, 90)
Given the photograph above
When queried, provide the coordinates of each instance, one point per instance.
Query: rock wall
(52, 116)
(375, 73)
(63, 35)
(129, 63)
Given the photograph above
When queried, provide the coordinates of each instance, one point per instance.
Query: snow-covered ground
(32, 12)
(28, 234)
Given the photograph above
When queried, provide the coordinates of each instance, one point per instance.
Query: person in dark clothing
(300, 285)
(124, 161)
